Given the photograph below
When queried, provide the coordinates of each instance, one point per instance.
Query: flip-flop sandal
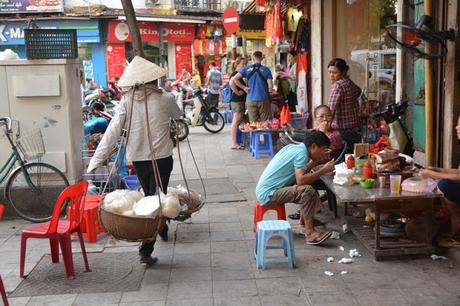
(320, 239)
(237, 148)
(448, 243)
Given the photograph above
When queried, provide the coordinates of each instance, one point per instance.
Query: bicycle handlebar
(7, 121)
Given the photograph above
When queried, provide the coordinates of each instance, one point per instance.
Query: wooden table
(383, 201)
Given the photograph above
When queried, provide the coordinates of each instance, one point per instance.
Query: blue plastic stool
(243, 138)
(256, 148)
(265, 231)
(228, 116)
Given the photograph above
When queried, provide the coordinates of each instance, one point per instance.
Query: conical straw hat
(140, 70)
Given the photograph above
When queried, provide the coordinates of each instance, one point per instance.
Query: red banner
(183, 58)
(172, 32)
(116, 60)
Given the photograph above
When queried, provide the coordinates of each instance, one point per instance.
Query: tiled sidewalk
(210, 261)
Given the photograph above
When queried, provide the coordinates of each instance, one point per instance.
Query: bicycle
(33, 187)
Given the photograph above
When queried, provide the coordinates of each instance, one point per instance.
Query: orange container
(367, 170)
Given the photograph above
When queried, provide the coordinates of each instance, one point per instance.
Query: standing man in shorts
(237, 104)
(259, 85)
(214, 83)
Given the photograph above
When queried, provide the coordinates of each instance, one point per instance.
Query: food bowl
(367, 183)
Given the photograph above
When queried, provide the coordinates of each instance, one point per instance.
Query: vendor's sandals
(149, 260)
(295, 216)
(448, 243)
(238, 147)
(320, 239)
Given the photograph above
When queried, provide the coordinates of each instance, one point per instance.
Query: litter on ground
(354, 253)
(335, 235)
(346, 260)
(437, 257)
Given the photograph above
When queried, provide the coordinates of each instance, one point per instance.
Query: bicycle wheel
(214, 121)
(182, 130)
(35, 203)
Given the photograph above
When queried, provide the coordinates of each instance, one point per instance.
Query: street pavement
(210, 260)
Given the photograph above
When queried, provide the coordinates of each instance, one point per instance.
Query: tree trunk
(133, 28)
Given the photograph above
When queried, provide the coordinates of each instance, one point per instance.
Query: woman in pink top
(323, 120)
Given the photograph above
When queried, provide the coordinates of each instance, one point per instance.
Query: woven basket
(185, 215)
(129, 228)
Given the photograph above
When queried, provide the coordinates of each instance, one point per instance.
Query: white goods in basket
(171, 206)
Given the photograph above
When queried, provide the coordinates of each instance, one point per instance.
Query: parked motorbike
(204, 114)
(391, 114)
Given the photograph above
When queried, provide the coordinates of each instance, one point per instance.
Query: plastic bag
(419, 185)
(147, 206)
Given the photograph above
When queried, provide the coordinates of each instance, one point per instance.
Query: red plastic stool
(2, 208)
(90, 225)
(3, 293)
(91, 221)
(259, 212)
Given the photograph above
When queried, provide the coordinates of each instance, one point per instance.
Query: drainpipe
(429, 102)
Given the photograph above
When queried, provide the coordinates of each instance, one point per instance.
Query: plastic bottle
(350, 162)
(367, 170)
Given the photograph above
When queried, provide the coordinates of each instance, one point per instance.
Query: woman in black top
(237, 104)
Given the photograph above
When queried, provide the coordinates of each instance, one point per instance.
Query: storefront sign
(31, 6)
(172, 32)
(12, 33)
(251, 34)
(231, 20)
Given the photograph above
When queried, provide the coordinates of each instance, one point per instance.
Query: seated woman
(449, 185)
(323, 120)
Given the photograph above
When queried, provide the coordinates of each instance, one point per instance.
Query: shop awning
(166, 19)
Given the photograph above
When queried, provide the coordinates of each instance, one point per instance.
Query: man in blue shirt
(288, 179)
(259, 85)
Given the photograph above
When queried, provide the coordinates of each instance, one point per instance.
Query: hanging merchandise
(277, 33)
(202, 32)
(197, 47)
(218, 48)
(285, 115)
(224, 46)
(261, 3)
(302, 62)
(218, 33)
(293, 16)
(302, 96)
(302, 36)
(209, 31)
(205, 47)
(211, 47)
(269, 15)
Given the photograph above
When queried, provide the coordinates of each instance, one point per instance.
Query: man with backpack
(214, 82)
(259, 85)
